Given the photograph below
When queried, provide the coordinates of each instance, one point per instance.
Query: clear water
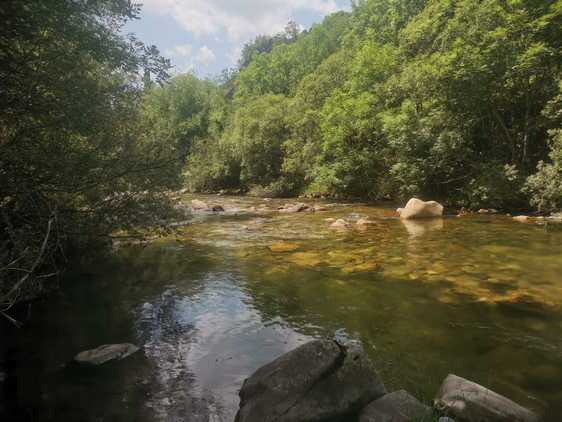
(478, 296)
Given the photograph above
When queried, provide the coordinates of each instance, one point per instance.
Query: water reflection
(417, 228)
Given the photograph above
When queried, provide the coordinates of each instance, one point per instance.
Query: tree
(74, 163)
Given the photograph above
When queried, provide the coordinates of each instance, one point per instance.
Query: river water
(479, 296)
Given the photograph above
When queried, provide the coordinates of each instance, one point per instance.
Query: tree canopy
(452, 100)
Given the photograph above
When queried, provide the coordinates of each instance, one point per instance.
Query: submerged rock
(105, 353)
(283, 247)
(399, 406)
(416, 208)
(319, 381)
(340, 224)
(469, 401)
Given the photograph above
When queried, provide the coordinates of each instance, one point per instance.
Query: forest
(205, 226)
(455, 100)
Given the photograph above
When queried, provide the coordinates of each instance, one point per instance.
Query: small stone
(217, 208)
(340, 224)
(283, 247)
(288, 208)
(105, 353)
(198, 205)
(521, 219)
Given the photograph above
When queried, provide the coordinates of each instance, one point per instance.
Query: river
(479, 296)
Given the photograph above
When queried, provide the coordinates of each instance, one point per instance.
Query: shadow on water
(480, 297)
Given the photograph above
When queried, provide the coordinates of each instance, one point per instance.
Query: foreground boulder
(416, 208)
(399, 406)
(468, 401)
(319, 381)
(105, 353)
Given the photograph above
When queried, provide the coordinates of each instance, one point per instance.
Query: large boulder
(105, 353)
(319, 381)
(416, 208)
(468, 401)
(399, 406)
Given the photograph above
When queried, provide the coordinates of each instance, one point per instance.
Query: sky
(207, 36)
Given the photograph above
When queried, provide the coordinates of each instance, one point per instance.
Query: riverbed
(479, 296)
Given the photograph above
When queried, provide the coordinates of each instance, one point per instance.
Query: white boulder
(416, 208)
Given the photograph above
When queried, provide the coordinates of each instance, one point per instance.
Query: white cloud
(205, 56)
(186, 60)
(239, 19)
(178, 51)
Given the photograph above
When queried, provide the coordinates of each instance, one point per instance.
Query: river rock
(416, 208)
(294, 208)
(318, 381)
(217, 208)
(105, 353)
(198, 205)
(521, 218)
(399, 406)
(340, 224)
(469, 401)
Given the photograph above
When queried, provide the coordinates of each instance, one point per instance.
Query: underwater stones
(416, 208)
(363, 267)
(105, 353)
(340, 224)
(469, 401)
(318, 381)
(305, 259)
(399, 406)
(283, 247)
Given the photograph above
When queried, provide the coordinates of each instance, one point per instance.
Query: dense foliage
(75, 162)
(453, 100)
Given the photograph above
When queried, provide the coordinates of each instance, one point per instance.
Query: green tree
(74, 164)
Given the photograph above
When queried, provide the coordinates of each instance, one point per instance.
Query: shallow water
(479, 296)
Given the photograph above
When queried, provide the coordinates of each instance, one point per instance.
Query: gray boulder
(319, 381)
(399, 406)
(468, 401)
(105, 353)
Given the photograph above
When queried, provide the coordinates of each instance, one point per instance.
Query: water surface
(478, 296)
